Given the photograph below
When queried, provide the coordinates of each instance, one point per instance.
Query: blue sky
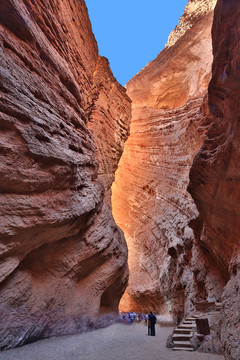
(130, 33)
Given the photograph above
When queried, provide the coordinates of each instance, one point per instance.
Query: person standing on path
(152, 319)
(149, 325)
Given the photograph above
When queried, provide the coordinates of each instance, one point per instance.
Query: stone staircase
(218, 306)
(182, 335)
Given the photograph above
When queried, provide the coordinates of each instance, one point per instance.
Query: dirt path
(117, 342)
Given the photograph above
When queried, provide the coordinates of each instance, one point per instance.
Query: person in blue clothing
(152, 319)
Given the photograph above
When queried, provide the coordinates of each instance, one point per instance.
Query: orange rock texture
(169, 272)
(215, 174)
(62, 255)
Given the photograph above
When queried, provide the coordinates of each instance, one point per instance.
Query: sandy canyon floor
(117, 342)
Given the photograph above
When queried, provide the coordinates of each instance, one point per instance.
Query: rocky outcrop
(194, 11)
(109, 119)
(62, 254)
(215, 175)
(168, 270)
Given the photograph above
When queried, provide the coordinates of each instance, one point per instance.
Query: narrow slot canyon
(176, 261)
(118, 198)
(150, 201)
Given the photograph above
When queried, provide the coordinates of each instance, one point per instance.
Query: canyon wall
(169, 272)
(109, 119)
(62, 255)
(215, 175)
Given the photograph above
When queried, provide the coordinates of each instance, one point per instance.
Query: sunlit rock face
(194, 10)
(215, 174)
(168, 270)
(62, 254)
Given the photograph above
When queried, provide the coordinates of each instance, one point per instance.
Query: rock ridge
(194, 11)
(109, 119)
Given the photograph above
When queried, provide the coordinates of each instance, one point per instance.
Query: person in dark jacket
(152, 319)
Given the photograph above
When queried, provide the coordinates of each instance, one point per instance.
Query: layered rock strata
(215, 174)
(62, 254)
(109, 119)
(169, 272)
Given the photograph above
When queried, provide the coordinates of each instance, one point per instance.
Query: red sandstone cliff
(215, 174)
(109, 119)
(168, 270)
(62, 254)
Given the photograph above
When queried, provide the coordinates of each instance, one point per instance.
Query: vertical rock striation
(215, 174)
(168, 270)
(62, 254)
(109, 119)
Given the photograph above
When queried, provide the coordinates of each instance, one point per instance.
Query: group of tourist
(131, 317)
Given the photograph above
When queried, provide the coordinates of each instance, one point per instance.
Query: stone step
(192, 319)
(205, 306)
(185, 344)
(182, 349)
(182, 331)
(188, 322)
(186, 326)
(196, 316)
(182, 337)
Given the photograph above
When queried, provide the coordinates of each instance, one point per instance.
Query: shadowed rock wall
(169, 272)
(109, 119)
(62, 255)
(215, 174)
